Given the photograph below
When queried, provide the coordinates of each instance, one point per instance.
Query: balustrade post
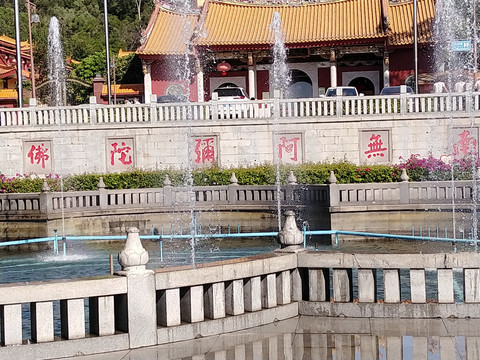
(153, 108)
(92, 110)
(342, 285)
(102, 194)
(367, 286)
(333, 190)
(140, 319)
(469, 102)
(45, 199)
(214, 104)
(391, 285)
(318, 285)
(284, 288)
(445, 286)
(253, 294)
(472, 288)
(339, 102)
(214, 300)
(167, 191)
(32, 108)
(404, 188)
(418, 286)
(232, 190)
(289, 188)
(41, 320)
(234, 296)
(11, 324)
(403, 99)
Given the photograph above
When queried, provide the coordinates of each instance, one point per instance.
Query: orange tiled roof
(169, 34)
(400, 17)
(249, 24)
(124, 89)
(122, 53)
(24, 45)
(8, 93)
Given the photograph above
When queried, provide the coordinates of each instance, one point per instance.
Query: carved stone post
(138, 306)
(290, 237)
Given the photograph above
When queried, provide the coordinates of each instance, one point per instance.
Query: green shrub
(418, 169)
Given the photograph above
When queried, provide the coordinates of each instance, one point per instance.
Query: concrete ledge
(57, 289)
(392, 311)
(59, 349)
(319, 259)
(390, 327)
(226, 325)
(224, 270)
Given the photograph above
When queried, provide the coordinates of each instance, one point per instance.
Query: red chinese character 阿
(375, 147)
(38, 155)
(205, 153)
(467, 144)
(289, 146)
(123, 150)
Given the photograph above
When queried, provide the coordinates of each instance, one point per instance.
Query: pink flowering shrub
(433, 169)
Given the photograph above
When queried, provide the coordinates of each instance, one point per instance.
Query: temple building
(368, 44)
(8, 69)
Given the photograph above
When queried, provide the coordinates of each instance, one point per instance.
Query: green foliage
(418, 169)
(83, 35)
(91, 66)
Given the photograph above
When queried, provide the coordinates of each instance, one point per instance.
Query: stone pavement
(309, 338)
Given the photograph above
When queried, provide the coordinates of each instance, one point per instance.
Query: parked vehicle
(231, 93)
(171, 99)
(395, 90)
(345, 90)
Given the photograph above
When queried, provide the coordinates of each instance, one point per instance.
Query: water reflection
(308, 338)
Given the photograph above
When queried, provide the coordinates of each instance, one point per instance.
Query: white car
(231, 93)
(345, 91)
(229, 96)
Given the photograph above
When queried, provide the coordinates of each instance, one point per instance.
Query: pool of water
(85, 259)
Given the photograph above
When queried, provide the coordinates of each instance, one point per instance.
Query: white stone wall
(163, 145)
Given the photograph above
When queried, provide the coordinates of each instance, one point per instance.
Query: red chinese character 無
(375, 147)
(38, 154)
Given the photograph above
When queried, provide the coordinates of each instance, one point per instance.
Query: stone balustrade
(139, 307)
(261, 196)
(264, 109)
(339, 206)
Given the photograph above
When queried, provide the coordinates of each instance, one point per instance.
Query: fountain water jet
(56, 65)
(281, 78)
(456, 23)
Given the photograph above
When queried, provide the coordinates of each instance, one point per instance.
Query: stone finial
(332, 179)
(101, 184)
(290, 236)
(233, 179)
(167, 181)
(404, 177)
(133, 257)
(292, 179)
(45, 186)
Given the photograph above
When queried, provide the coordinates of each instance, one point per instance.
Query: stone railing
(239, 196)
(249, 196)
(341, 106)
(401, 193)
(138, 307)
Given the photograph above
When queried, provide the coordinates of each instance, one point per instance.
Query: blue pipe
(336, 233)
